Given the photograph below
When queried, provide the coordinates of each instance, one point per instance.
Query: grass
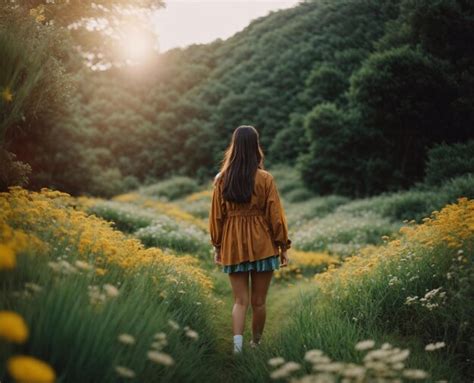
(329, 305)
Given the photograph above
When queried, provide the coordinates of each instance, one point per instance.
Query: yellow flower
(28, 369)
(7, 257)
(13, 327)
(7, 94)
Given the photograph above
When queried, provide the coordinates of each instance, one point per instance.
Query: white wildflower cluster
(394, 280)
(126, 339)
(434, 346)
(431, 300)
(99, 295)
(346, 230)
(386, 364)
(29, 290)
(165, 231)
(62, 267)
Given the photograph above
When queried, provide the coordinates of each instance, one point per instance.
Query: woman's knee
(258, 302)
(241, 300)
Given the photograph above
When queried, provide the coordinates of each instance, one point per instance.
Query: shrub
(449, 161)
(172, 188)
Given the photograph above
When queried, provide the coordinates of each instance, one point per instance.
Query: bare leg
(240, 288)
(260, 283)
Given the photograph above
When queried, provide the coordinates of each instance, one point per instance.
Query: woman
(248, 229)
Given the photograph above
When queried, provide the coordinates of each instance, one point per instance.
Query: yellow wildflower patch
(453, 226)
(52, 215)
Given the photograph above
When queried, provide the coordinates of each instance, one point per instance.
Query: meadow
(125, 289)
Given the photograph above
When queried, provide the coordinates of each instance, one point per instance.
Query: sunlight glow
(136, 44)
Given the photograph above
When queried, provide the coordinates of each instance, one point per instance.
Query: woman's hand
(217, 256)
(283, 258)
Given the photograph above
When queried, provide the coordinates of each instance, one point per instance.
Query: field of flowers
(125, 290)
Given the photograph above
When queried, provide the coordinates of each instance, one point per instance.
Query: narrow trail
(281, 300)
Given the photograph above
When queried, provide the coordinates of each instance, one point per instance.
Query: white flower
(415, 374)
(159, 336)
(160, 357)
(192, 334)
(353, 371)
(364, 345)
(33, 287)
(125, 372)
(82, 265)
(111, 290)
(434, 346)
(312, 356)
(173, 324)
(126, 339)
(274, 362)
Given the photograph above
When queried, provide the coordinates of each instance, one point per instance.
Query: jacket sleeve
(217, 216)
(275, 216)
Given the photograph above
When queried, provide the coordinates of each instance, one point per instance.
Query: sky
(185, 22)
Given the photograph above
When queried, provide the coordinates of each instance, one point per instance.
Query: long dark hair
(241, 160)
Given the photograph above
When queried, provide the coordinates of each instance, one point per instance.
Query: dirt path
(281, 300)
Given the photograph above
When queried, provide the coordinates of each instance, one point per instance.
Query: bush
(298, 195)
(314, 207)
(172, 188)
(448, 161)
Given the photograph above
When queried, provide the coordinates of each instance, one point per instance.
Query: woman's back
(249, 231)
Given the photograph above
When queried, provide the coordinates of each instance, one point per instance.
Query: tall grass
(410, 292)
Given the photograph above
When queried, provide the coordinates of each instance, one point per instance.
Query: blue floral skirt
(267, 264)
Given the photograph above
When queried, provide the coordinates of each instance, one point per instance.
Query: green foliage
(12, 172)
(66, 328)
(448, 161)
(172, 188)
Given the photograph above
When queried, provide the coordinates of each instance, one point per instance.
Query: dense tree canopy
(352, 92)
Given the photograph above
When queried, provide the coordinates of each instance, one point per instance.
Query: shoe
(253, 344)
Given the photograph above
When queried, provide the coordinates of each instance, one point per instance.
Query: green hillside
(353, 93)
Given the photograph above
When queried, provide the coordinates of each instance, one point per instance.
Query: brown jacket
(249, 231)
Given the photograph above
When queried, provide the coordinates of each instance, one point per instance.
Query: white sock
(238, 340)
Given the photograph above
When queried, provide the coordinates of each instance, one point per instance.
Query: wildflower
(7, 257)
(7, 94)
(111, 290)
(313, 355)
(329, 367)
(415, 374)
(125, 372)
(274, 362)
(83, 265)
(28, 369)
(174, 325)
(398, 357)
(285, 370)
(353, 371)
(434, 346)
(159, 336)
(13, 327)
(33, 287)
(192, 334)
(364, 345)
(160, 357)
(126, 339)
